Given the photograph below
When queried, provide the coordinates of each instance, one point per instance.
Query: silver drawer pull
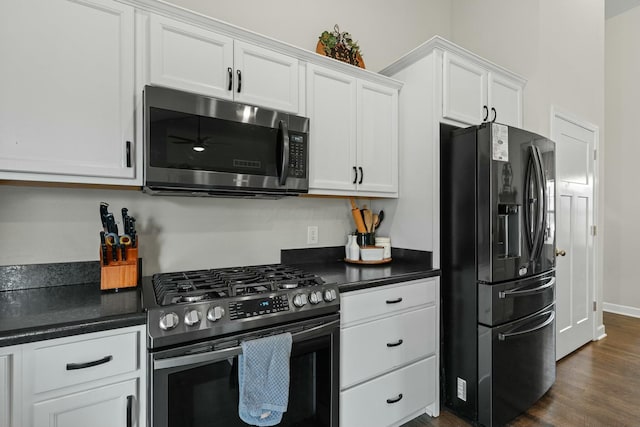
(74, 366)
(395, 400)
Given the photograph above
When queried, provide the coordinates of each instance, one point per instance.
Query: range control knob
(330, 295)
(315, 297)
(169, 321)
(215, 313)
(300, 300)
(192, 317)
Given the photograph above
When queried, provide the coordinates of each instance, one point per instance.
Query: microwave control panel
(297, 155)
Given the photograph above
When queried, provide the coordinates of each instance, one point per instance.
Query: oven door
(197, 385)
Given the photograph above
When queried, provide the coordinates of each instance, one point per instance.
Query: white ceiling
(616, 7)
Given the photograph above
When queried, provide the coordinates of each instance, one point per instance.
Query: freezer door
(507, 301)
(516, 186)
(516, 366)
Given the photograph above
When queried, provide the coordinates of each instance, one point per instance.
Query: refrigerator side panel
(458, 260)
(484, 205)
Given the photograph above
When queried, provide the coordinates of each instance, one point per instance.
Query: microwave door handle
(284, 143)
(226, 353)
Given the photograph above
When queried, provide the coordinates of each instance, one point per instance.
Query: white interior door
(575, 144)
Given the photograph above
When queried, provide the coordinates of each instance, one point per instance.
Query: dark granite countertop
(329, 264)
(37, 313)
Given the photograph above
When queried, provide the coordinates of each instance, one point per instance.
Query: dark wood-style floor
(597, 385)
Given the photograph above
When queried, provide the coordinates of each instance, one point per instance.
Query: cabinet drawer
(388, 300)
(376, 347)
(86, 359)
(376, 403)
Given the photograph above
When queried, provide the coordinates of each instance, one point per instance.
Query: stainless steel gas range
(196, 321)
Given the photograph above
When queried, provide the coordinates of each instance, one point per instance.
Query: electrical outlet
(312, 235)
(462, 389)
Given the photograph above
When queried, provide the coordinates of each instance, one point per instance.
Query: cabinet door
(109, 406)
(464, 90)
(377, 138)
(505, 96)
(331, 106)
(5, 390)
(264, 77)
(191, 58)
(67, 85)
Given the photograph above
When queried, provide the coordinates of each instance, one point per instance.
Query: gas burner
(204, 285)
(192, 298)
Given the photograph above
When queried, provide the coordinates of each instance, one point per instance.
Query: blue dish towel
(263, 377)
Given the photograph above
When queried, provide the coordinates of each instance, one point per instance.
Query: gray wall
(622, 203)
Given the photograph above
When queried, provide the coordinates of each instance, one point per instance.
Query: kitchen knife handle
(361, 174)
(230, 71)
(104, 211)
(239, 80)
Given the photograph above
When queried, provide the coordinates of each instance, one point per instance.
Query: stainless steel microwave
(202, 146)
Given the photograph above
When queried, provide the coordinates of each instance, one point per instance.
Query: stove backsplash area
(50, 225)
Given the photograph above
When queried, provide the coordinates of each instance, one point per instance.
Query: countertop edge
(398, 278)
(41, 333)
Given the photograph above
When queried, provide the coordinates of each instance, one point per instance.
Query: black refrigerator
(497, 189)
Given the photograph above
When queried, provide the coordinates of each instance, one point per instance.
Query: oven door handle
(215, 355)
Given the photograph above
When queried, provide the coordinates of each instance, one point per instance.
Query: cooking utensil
(380, 218)
(376, 222)
(357, 216)
(368, 218)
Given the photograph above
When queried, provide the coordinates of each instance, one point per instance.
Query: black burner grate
(202, 285)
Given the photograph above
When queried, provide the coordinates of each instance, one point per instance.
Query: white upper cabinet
(353, 135)
(472, 94)
(67, 85)
(190, 58)
(332, 109)
(196, 59)
(505, 96)
(377, 138)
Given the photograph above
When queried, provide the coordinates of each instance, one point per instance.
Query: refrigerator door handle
(528, 211)
(542, 202)
(552, 315)
(520, 292)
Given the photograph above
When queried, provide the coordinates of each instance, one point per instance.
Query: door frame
(561, 114)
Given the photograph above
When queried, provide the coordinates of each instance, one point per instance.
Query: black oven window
(187, 141)
(208, 395)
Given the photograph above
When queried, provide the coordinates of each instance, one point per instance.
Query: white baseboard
(621, 309)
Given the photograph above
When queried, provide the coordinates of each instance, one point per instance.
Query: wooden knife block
(119, 274)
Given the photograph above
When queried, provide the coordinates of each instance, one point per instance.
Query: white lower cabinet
(389, 354)
(109, 406)
(9, 386)
(96, 379)
(388, 400)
